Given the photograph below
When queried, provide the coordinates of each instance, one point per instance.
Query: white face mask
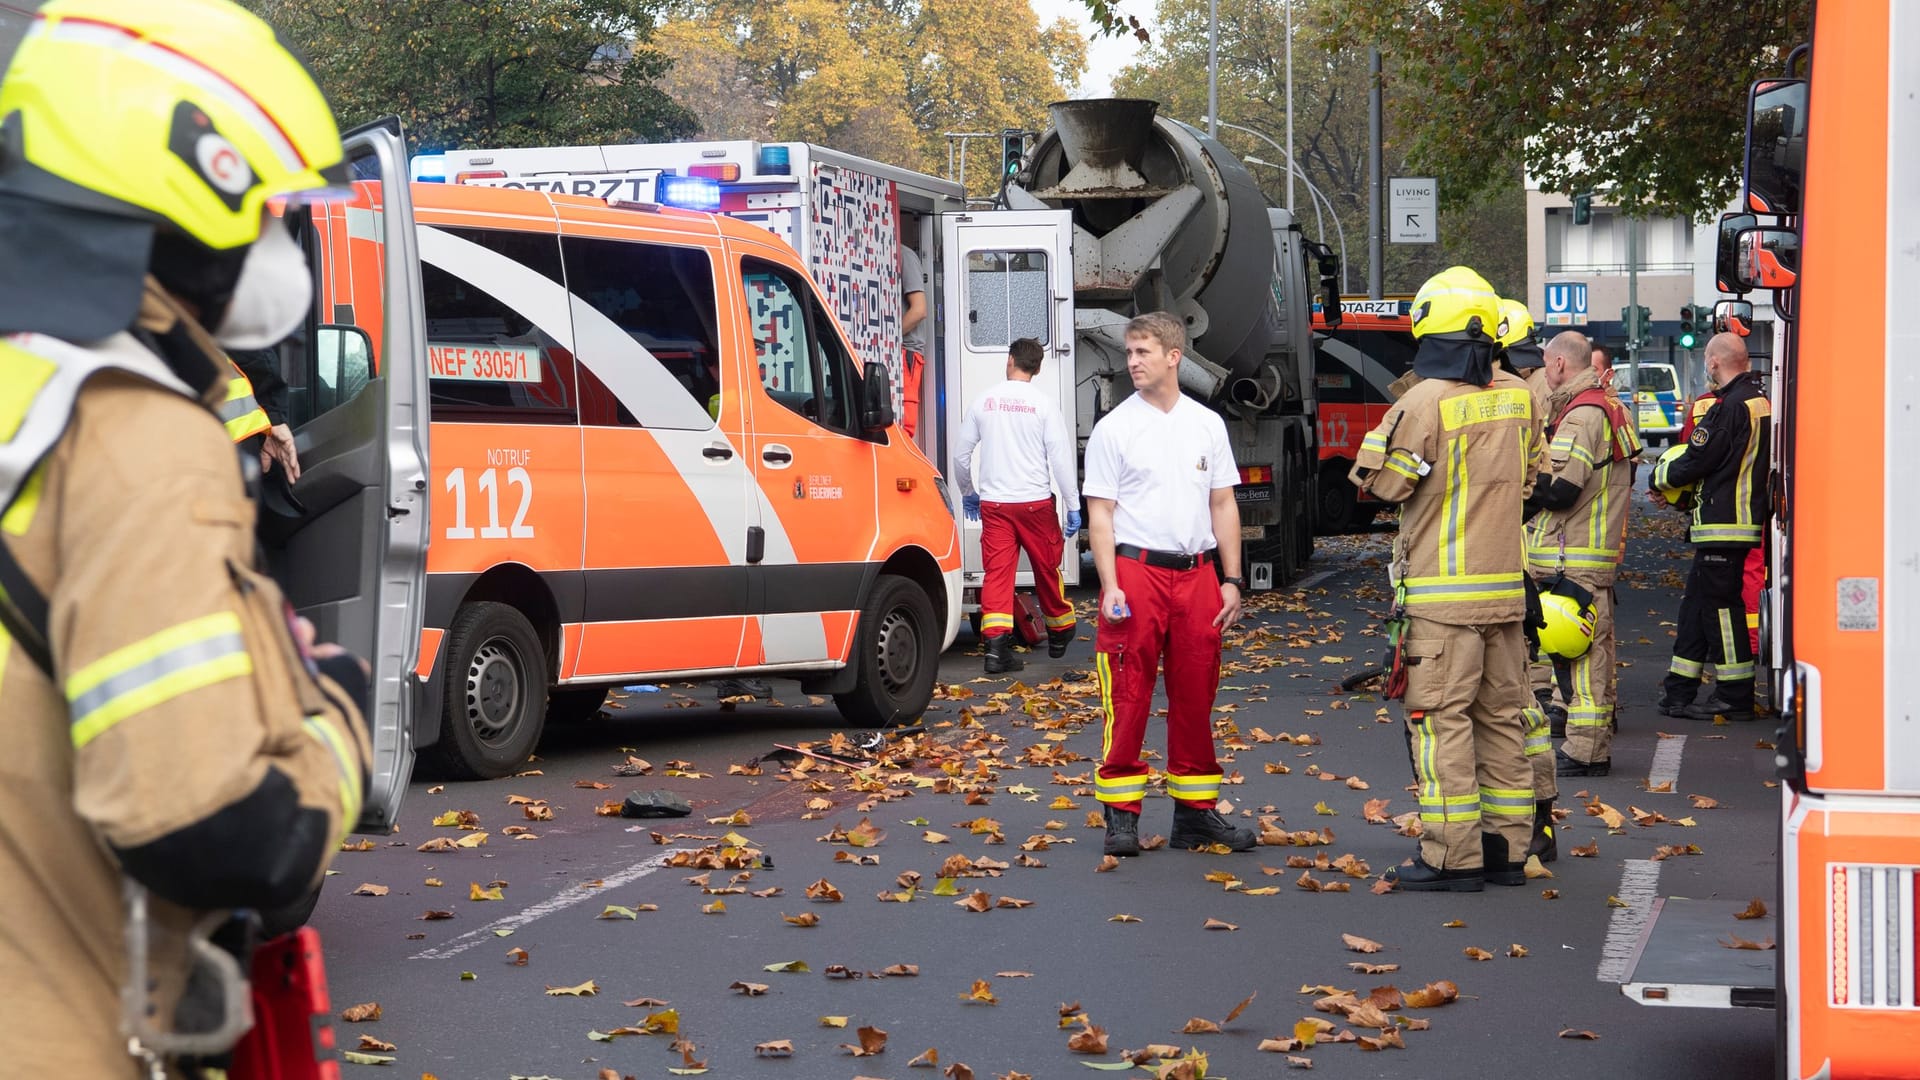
(273, 294)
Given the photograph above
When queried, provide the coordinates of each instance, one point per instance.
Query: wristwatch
(1237, 582)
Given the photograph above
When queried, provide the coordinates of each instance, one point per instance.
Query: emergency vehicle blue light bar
(690, 192)
(775, 160)
(430, 168)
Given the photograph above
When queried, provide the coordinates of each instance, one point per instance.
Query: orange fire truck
(1833, 174)
(1354, 363)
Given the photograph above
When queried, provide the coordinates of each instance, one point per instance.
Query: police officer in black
(1727, 456)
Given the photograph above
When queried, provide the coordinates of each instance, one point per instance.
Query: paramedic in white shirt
(1014, 448)
(1161, 520)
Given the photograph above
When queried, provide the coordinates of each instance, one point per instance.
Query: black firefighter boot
(1556, 714)
(1193, 827)
(1544, 843)
(1416, 875)
(1058, 640)
(1496, 867)
(1123, 832)
(1000, 656)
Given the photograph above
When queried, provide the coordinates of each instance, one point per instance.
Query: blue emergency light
(689, 192)
(775, 161)
(430, 168)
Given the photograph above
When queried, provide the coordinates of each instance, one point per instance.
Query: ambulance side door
(818, 511)
(351, 553)
(1009, 276)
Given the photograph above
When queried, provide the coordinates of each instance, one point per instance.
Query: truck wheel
(1339, 503)
(897, 650)
(575, 704)
(1302, 521)
(496, 693)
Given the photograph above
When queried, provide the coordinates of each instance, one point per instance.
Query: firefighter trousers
(1591, 696)
(1171, 619)
(1006, 530)
(1466, 700)
(1712, 629)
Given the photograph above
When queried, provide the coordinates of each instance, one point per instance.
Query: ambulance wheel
(496, 693)
(1339, 503)
(575, 704)
(897, 650)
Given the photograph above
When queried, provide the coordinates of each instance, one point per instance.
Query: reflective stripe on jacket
(1729, 455)
(1588, 538)
(240, 411)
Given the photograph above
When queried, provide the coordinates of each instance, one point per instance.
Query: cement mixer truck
(1114, 211)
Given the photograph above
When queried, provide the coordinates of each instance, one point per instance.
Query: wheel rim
(897, 649)
(496, 691)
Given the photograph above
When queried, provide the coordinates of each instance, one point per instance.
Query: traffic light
(1013, 145)
(1692, 322)
(1583, 208)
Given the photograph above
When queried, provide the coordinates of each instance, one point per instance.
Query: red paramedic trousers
(1007, 529)
(1172, 614)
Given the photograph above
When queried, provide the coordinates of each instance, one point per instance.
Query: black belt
(1166, 560)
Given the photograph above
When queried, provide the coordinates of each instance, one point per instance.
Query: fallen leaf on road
(1701, 802)
(1216, 924)
(928, 1059)
(1762, 945)
(1240, 1008)
(1375, 812)
(1383, 886)
(585, 989)
(1536, 869)
(1614, 901)
(823, 890)
(976, 901)
(1107, 862)
(368, 1042)
(1010, 902)
(718, 907)
(1572, 1034)
(1299, 1062)
(1360, 944)
(432, 916)
(1476, 953)
(901, 969)
(591, 785)
(1667, 851)
(1279, 1046)
(865, 834)
(932, 837)
(438, 843)
(805, 918)
(774, 1048)
(791, 967)
(472, 840)
(833, 1021)
(750, 989)
(1124, 918)
(872, 1041)
(1549, 894)
(370, 890)
(1324, 810)
(1433, 995)
(433, 883)
(644, 1003)
(1757, 909)
(517, 957)
(1388, 1037)
(1357, 784)
(356, 1014)
(1516, 951)
(981, 992)
(1664, 787)
(1089, 1040)
(1197, 1026)
(475, 892)
(1587, 850)
(354, 1057)
(1365, 968)
(616, 911)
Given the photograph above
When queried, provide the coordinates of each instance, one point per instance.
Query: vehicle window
(662, 299)
(1008, 297)
(487, 361)
(1356, 366)
(803, 364)
(1657, 380)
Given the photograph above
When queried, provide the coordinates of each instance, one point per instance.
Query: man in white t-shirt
(1161, 517)
(1014, 448)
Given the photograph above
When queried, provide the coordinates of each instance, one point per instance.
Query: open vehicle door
(1011, 277)
(350, 545)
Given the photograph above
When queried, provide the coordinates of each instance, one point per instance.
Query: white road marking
(1639, 884)
(558, 902)
(1311, 580)
(1666, 762)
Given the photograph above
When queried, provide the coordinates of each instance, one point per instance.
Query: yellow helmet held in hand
(1516, 323)
(1456, 300)
(1677, 496)
(119, 118)
(1569, 630)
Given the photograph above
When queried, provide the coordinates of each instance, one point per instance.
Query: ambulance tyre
(897, 655)
(496, 693)
(574, 704)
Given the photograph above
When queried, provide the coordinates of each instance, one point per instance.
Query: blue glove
(972, 504)
(1073, 522)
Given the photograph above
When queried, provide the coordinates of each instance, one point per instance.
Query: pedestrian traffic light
(1691, 324)
(1012, 150)
(1583, 208)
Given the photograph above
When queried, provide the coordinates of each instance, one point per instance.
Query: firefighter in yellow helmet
(174, 741)
(1459, 576)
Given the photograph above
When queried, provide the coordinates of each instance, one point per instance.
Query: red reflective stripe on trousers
(1171, 621)
(1006, 529)
(1754, 579)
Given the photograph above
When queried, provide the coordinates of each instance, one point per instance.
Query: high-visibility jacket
(239, 410)
(1590, 458)
(1728, 455)
(181, 740)
(1461, 460)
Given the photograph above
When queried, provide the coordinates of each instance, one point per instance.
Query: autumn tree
(1487, 231)
(885, 79)
(1644, 100)
(489, 72)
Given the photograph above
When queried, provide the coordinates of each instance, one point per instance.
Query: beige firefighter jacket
(1588, 538)
(1460, 460)
(184, 740)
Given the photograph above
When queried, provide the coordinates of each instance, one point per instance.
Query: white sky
(1106, 56)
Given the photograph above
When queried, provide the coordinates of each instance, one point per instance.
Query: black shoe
(1556, 714)
(1544, 844)
(1717, 706)
(753, 688)
(1202, 828)
(1494, 865)
(1123, 832)
(1417, 876)
(1564, 765)
(1000, 656)
(1672, 706)
(1058, 640)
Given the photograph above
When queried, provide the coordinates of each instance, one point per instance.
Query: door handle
(775, 454)
(716, 452)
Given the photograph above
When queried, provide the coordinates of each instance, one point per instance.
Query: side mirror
(1767, 258)
(343, 364)
(876, 399)
(1776, 145)
(1733, 317)
(1725, 262)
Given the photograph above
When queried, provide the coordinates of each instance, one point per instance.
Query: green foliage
(488, 72)
(1644, 101)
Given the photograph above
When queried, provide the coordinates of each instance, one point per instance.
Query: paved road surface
(1142, 981)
